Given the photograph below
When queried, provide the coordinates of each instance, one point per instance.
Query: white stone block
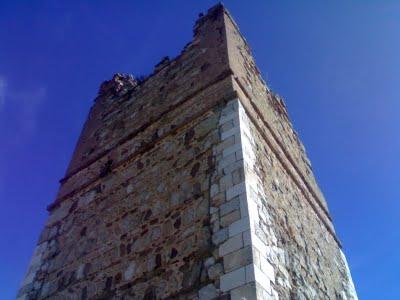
(250, 276)
(231, 116)
(236, 121)
(245, 292)
(208, 292)
(235, 104)
(239, 154)
(227, 161)
(267, 268)
(257, 243)
(236, 190)
(232, 244)
(253, 211)
(213, 209)
(214, 190)
(226, 126)
(233, 279)
(230, 132)
(239, 226)
(130, 271)
(232, 149)
(261, 278)
(238, 259)
(230, 206)
(226, 182)
(246, 133)
(246, 238)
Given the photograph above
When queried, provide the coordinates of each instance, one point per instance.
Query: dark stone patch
(108, 283)
(228, 297)
(154, 221)
(195, 169)
(196, 190)
(191, 276)
(154, 136)
(73, 207)
(83, 231)
(122, 250)
(150, 294)
(106, 169)
(189, 136)
(139, 165)
(205, 66)
(174, 253)
(148, 214)
(210, 163)
(84, 293)
(118, 277)
(177, 223)
(158, 260)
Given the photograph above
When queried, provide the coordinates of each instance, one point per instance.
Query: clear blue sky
(337, 65)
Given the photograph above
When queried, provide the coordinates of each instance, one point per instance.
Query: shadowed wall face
(191, 184)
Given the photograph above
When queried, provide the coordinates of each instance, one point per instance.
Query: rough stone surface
(190, 184)
(208, 292)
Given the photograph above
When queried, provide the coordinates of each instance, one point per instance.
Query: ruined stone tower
(190, 184)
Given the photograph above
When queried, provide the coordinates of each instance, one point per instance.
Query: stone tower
(190, 184)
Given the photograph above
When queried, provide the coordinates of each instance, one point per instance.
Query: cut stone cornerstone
(190, 184)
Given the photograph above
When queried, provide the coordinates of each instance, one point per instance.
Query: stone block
(208, 292)
(232, 149)
(227, 161)
(238, 258)
(245, 292)
(267, 268)
(236, 190)
(233, 279)
(226, 182)
(230, 132)
(215, 271)
(228, 116)
(220, 236)
(230, 218)
(246, 238)
(239, 226)
(209, 262)
(232, 244)
(226, 126)
(229, 206)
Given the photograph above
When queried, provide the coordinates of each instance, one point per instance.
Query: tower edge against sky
(191, 184)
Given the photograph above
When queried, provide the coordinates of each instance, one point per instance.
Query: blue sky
(336, 64)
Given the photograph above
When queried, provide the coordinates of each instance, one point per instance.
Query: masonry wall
(131, 218)
(141, 232)
(288, 213)
(124, 108)
(308, 262)
(191, 184)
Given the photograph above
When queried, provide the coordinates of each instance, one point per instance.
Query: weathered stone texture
(190, 184)
(306, 260)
